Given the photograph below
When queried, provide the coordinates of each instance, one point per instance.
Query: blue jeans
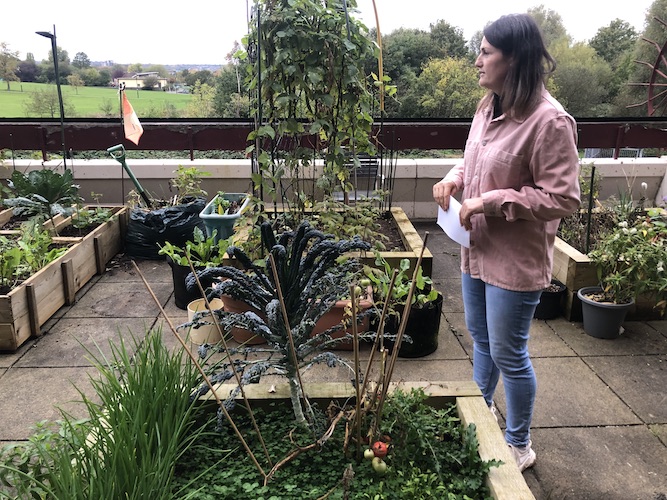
(499, 322)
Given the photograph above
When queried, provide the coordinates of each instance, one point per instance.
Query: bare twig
(229, 358)
(201, 371)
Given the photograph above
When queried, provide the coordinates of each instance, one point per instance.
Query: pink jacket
(527, 173)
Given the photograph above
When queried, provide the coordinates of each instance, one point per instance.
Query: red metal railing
(203, 135)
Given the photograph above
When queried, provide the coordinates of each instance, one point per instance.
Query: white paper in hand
(450, 223)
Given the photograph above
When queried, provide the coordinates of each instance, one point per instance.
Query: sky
(203, 31)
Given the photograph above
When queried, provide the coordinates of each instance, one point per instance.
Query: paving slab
(544, 342)
(29, 395)
(451, 291)
(638, 338)
(121, 270)
(8, 358)
(610, 463)
(570, 394)
(660, 430)
(640, 381)
(72, 341)
(120, 300)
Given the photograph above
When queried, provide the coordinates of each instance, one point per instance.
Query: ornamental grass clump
(631, 260)
(139, 422)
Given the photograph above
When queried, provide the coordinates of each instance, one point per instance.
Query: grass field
(91, 102)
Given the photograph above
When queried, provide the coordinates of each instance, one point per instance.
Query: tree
(150, 82)
(45, 104)
(447, 40)
(551, 25)
(226, 85)
(118, 70)
(28, 69)
(581, 79)
(47, 69)
(615, 44)
(202, 76)
(613, 41)
(201, 105)
(75, 81)
(448, 88)
(9, 62)
(407, 50)
(81, 61)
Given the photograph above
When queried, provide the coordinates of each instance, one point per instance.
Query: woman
(519, 177)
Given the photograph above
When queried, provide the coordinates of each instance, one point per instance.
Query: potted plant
(551, 301)
(202, 251)
(630, 264)
(222, 212)
(424, 313)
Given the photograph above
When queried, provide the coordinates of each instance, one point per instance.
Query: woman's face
(493, 67)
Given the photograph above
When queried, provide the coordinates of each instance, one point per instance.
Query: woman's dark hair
(519, 38)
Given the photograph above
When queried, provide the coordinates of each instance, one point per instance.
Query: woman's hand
(442, 191)
(469, 208)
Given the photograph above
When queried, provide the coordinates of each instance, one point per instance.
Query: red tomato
(379, 449)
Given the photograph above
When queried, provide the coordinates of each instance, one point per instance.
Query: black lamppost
(54, 51)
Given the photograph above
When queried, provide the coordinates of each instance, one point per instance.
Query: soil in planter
(412, 468)
(14, 223)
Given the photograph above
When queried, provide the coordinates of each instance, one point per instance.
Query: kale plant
(313, 274)
(42, 192)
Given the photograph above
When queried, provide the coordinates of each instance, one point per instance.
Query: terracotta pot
(241, 335)
(336, 315)
(207, 334)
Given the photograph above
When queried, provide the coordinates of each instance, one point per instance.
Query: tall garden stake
(399, 335)
(290, 338)
(201, 372)
(590, 210)
(229, 357)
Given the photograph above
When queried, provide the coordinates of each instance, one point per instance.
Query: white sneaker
(494, 411)
(523, 455)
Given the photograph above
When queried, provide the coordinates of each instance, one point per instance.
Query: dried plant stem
(201, 371)
(399, 335)
(246, 402)
(357, 383)
(380, 333)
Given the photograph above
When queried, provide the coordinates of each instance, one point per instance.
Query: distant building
(136, 81)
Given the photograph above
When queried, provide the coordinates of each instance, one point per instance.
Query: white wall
(414, 178)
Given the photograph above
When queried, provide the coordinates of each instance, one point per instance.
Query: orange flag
(133, 128)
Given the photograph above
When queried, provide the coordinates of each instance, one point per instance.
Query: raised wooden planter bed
(51, 225)
(575, 270)
(505, 482)
(27, 307)
(412, 241)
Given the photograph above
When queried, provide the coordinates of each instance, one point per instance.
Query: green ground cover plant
(88, 102)
(431, 455)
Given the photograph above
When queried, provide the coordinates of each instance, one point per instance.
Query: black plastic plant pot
(182, 297)
(423, 327)
(551, 301)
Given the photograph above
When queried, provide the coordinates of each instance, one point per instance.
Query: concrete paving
(600, 423)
